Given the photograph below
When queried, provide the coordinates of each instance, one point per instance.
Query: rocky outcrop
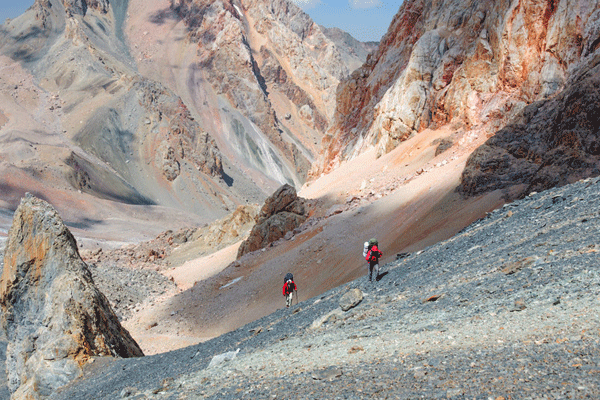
(552, 143)
(282, 212)
(54, 316)
(473, 64)
(179, 137)
(81, 6)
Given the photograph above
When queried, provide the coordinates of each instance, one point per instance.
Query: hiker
(372, 255)
(288, 289)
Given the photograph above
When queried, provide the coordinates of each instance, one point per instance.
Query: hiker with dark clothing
(288, 289)
(373, 255)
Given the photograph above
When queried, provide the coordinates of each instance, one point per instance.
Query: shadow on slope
(551, 143)
(102, 183)
(324, 253)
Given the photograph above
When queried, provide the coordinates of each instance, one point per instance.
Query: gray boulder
(351, 299)
(54, 317)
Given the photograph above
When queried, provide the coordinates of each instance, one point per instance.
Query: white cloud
(364, 3)
(307, 4)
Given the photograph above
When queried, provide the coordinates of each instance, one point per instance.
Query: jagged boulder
(54, 316)
(282, 212)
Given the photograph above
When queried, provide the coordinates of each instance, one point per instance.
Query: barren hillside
(119, 110)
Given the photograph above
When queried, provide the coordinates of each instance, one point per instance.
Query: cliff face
(264, 74)
(551, 143)
(472, 64)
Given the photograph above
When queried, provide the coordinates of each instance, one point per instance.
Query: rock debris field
(507, 308)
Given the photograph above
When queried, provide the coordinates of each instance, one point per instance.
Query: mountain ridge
(132, 125)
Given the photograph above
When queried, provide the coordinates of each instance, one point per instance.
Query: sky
(13, 8)
(366, 20)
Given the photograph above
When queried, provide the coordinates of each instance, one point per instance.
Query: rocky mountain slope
(475, 66)
(506, 308)
(354, 53)
(260, 73)
(172, 106)
(203, 106)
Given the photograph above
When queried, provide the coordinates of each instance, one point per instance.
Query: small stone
(127, 392)
(355, 349)
(433, 298)
(519, 306)
(328, 374)
(556, 301)
(515, 267)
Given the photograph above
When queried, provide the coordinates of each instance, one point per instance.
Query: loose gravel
(508, 308)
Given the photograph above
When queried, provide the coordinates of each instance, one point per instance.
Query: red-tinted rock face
(475, 64)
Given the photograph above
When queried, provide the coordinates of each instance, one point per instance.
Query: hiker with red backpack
(288, 289)
(372, 254)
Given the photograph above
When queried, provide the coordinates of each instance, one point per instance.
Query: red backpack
(373, 254)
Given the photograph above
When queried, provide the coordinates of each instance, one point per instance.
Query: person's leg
(288, 299)
(376, 271)
(370, 272)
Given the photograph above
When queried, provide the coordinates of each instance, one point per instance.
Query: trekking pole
(296, 296)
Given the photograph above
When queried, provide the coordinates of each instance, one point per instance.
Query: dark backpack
(288, 277)
(290, 287)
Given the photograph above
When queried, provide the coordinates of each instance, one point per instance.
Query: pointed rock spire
(53, 314)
